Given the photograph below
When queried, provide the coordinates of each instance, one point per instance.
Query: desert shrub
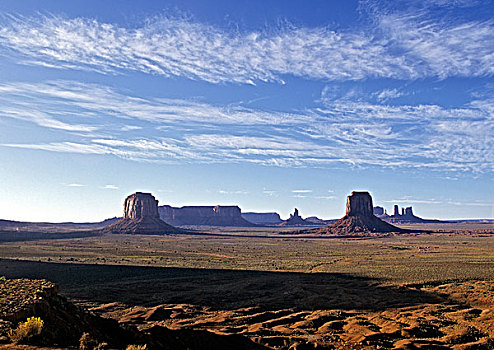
(136, 347)
(26, 330)
(87, 342)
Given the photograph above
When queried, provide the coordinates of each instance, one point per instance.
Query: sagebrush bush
(26, 330)
(87, 342)
(136, 347)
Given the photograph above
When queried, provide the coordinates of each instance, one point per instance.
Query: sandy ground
(411, 292)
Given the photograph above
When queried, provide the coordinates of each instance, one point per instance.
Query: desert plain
(279, 290)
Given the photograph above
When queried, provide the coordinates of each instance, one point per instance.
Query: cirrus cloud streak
(339, 133)
(398, 46)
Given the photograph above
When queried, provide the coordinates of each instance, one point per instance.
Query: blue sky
(269, 105)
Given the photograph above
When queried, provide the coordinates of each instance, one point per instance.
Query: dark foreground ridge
(64, 323)
(141, 217)
(176, 308)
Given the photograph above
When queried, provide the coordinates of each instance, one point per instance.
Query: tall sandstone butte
(359, 204)
(140, 205)
(359, 218)
(141, 217)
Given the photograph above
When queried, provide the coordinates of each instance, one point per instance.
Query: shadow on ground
(218, 289)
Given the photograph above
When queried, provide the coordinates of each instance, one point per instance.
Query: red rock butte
(359, 218)
(141, 217)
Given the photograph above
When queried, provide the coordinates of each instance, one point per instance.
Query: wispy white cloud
(473, 204)
(270, 193)
(67, 147)
(425, 135)
(130, 127)
(110, 187)
(232, 192)
(75, 185)
(89, 100)
(301, 191)
(400, 46)
(341, 132)
(180, 47)
(414, 201)
(453, 3)
(444, 50)
(19, 112)
(388, 94)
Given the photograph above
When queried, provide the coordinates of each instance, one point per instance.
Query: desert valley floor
(413, 291)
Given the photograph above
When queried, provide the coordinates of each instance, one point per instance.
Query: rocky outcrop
(379, 211)
(64, 323)
(295, 220)
(141, 217)
(396, 210)
(263, 218)
(314, 220)
(359, 219)
(405, 217)
(140, 205)
(203, 215)
(359, 204)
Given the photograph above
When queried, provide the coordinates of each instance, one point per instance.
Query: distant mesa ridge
(141, 217)
(263, 218)
(274, 219)
(203, 215)
(406, 215)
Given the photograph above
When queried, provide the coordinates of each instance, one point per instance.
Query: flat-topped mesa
(359, 204)
(218, 215)
(139, 205)
(141, 217)
(263, 218)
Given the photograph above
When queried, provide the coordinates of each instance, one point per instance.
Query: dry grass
(136, 347)
(26, 330)
(410, 291)
(399, 259)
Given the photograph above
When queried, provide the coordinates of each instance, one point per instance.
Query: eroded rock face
(218, 215)
(262, 218)
(359, 219)
(295, 220)
(295, 214)
(139, 205)
(378, 211)
(359, 203)
(141, 217)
